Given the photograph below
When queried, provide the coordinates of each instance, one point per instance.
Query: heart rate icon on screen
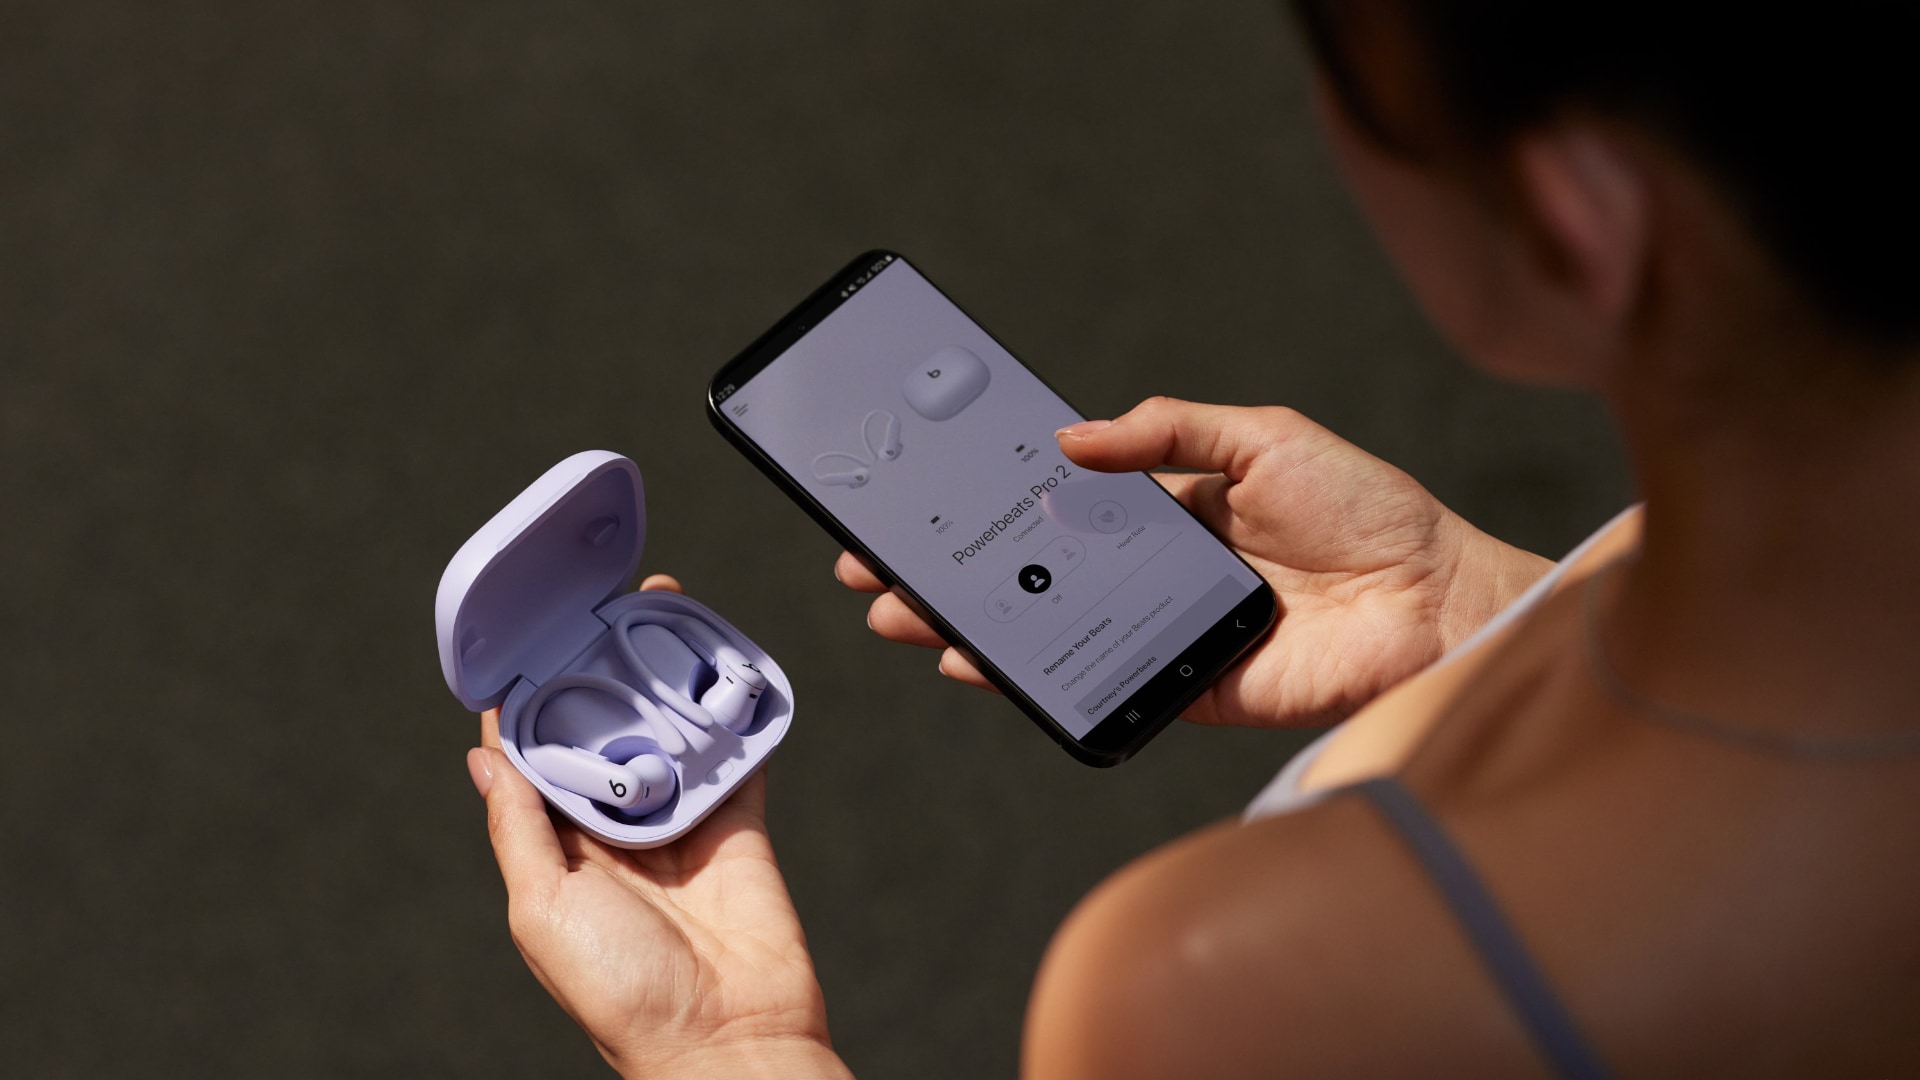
(1108, 516)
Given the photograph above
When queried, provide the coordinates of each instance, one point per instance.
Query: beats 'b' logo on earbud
(934, 374)
(642, 785)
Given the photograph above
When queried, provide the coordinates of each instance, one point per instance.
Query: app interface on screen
(935, 447)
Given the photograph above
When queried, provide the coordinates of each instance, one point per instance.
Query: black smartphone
(1094, 601)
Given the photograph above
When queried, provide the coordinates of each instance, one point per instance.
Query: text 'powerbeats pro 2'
(1093, 600)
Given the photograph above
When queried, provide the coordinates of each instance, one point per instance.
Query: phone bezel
(1109, 742)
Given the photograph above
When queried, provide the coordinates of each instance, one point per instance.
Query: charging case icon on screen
(946, 382)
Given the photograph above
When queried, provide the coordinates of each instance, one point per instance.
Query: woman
(1657, 817)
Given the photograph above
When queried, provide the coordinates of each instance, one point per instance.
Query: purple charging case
(532, 595)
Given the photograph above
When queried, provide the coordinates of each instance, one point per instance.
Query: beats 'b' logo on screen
(945, 383)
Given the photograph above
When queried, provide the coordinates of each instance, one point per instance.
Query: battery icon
(935, 521)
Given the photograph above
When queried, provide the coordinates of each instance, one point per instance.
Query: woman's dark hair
(1802, 112)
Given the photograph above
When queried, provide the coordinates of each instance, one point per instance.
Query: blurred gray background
(293, 296)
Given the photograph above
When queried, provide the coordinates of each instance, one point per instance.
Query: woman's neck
(1778, 584)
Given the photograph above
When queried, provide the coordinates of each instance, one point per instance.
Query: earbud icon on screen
(881, 429)
(844, 470)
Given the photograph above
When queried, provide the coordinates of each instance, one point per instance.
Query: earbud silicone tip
(652, 769)
(734, 696)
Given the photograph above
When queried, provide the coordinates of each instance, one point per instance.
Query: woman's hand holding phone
(1376, 578)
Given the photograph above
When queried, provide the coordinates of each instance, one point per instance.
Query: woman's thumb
(1169, 432)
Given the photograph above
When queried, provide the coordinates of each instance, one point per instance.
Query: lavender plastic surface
(531, 595)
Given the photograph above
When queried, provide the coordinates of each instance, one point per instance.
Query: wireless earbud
(737, 686)
(841, 469)
(645, 782)
(734, 695)
(881, 430)
(641, 786)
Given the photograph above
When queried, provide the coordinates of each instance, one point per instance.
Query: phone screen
(931, 448)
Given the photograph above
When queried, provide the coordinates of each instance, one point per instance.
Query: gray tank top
(1520, 980)
(1506, 959)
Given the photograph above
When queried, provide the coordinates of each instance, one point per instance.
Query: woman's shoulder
(1291, 943)
(1384, 736)
(1286, 945)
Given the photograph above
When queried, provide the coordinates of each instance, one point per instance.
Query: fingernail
(1082, 429)
(480, 770)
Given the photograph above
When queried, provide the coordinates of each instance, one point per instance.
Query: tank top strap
(1520, 980)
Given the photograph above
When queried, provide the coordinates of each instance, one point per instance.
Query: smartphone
(1094, 601)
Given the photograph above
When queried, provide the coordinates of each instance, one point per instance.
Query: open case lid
(518, 598)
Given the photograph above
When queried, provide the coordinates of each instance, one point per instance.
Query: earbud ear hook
(643, 784)
(738, 684)
(883, 440)
(665, 731)
(846, 470)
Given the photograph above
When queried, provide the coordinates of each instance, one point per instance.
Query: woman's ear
(1585, 197)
